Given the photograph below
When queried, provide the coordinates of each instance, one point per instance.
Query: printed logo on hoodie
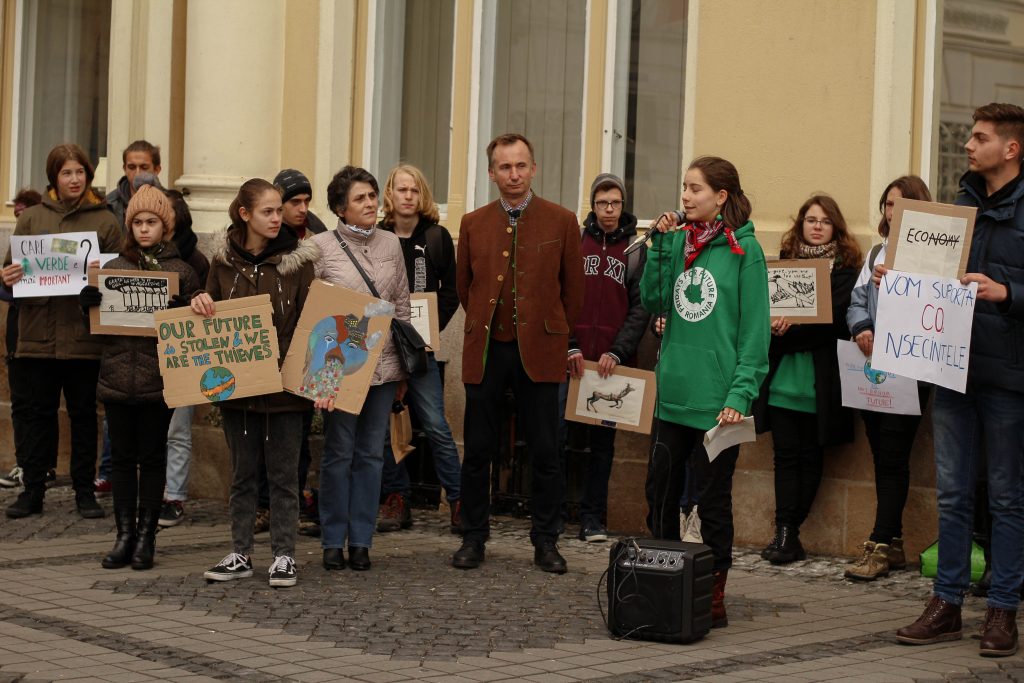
(695, 294)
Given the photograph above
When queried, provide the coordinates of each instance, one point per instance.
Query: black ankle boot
(124, 544)
(789, 548)
(145, 543)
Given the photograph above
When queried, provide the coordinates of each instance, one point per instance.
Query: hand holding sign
(923, 328)
(49, 265)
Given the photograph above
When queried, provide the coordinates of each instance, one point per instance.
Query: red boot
(718, 616)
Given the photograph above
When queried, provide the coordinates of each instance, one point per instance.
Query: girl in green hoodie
(706, 275)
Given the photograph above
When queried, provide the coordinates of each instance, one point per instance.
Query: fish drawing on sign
(615, 399)
(790, 291)
(337, 346)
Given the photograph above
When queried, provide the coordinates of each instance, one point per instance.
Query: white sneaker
(233, 566)
(282, 572)
(14, 479)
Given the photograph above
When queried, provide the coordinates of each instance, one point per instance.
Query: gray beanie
(292, 182)
(607, 179)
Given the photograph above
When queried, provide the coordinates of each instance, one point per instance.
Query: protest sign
(866, 388)
(923, 328)
(425, 318)
(130, 297)
(623, 400)
(232, 354)
(54, 265)
(800, 290)
(336, 346)
(926, 237)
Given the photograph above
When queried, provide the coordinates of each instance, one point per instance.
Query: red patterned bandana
(699, 233)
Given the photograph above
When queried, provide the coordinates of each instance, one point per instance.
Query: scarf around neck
(828, 251)
(148, 257)
(700, 233)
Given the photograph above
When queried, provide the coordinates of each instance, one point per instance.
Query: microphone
(641, 241)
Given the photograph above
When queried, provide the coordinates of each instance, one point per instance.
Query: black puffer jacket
(997, 250)
(130, 366)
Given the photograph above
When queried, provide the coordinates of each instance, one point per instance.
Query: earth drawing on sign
(217, 383)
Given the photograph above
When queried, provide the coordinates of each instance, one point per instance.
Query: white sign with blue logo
(865, 388)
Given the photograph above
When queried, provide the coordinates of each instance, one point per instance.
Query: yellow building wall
(785, 92)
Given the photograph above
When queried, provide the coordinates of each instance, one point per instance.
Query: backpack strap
(872, 256)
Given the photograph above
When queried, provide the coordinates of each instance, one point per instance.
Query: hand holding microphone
(666, 221)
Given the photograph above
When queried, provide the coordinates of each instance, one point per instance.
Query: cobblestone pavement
(413, 617)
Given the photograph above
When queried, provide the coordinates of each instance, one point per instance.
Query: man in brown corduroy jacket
(519, 276)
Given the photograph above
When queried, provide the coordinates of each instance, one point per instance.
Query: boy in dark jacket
(991, 411)
(609, 329)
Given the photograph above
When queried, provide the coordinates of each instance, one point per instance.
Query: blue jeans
(179, 453)
(962, 422)
(426, 398)
(350, 470)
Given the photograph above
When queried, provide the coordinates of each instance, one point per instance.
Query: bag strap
(355, 262)
(872, 255)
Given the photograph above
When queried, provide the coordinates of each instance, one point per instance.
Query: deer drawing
(614, 399)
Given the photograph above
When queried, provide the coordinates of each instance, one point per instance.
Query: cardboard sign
(54, 265)
(800, 290)
(926, 237)
(130, 297)
(424, 316)
(866, 388)
(233, 354)
(923, 328)
(624, 400)
(336, 345)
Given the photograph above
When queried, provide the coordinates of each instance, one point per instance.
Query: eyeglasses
(604, 206)
(823, 222)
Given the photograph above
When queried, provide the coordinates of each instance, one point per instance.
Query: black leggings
(798, 464)
(138, 447)
(891, 438)
(672, 445)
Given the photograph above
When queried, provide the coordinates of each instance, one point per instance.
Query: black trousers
(672, 447)
(49, 377)
(19, 381)
(891, 438)
(138, 450)
(798, 464)
(537, 419)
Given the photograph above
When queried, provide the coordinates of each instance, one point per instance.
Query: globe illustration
(874, 376)
(217, 384)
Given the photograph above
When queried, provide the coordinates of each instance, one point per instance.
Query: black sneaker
(51, 478)
(12, 479)
(593, 533)
(87, 506)
(469, 556)
(171, 513)
(282, 572)
(233, 566)
(27, 503)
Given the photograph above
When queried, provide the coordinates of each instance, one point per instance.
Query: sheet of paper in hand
(800, 290)
(865, 388)
(424, 316)
(336, 346)
(54, 265)
(927, 237)
(623, 400)
(130, 297)
(720, 437)
(923, 328)
(232, 354)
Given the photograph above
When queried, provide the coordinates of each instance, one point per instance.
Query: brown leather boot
(999, 633)
(939, 622)
(718, 616)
